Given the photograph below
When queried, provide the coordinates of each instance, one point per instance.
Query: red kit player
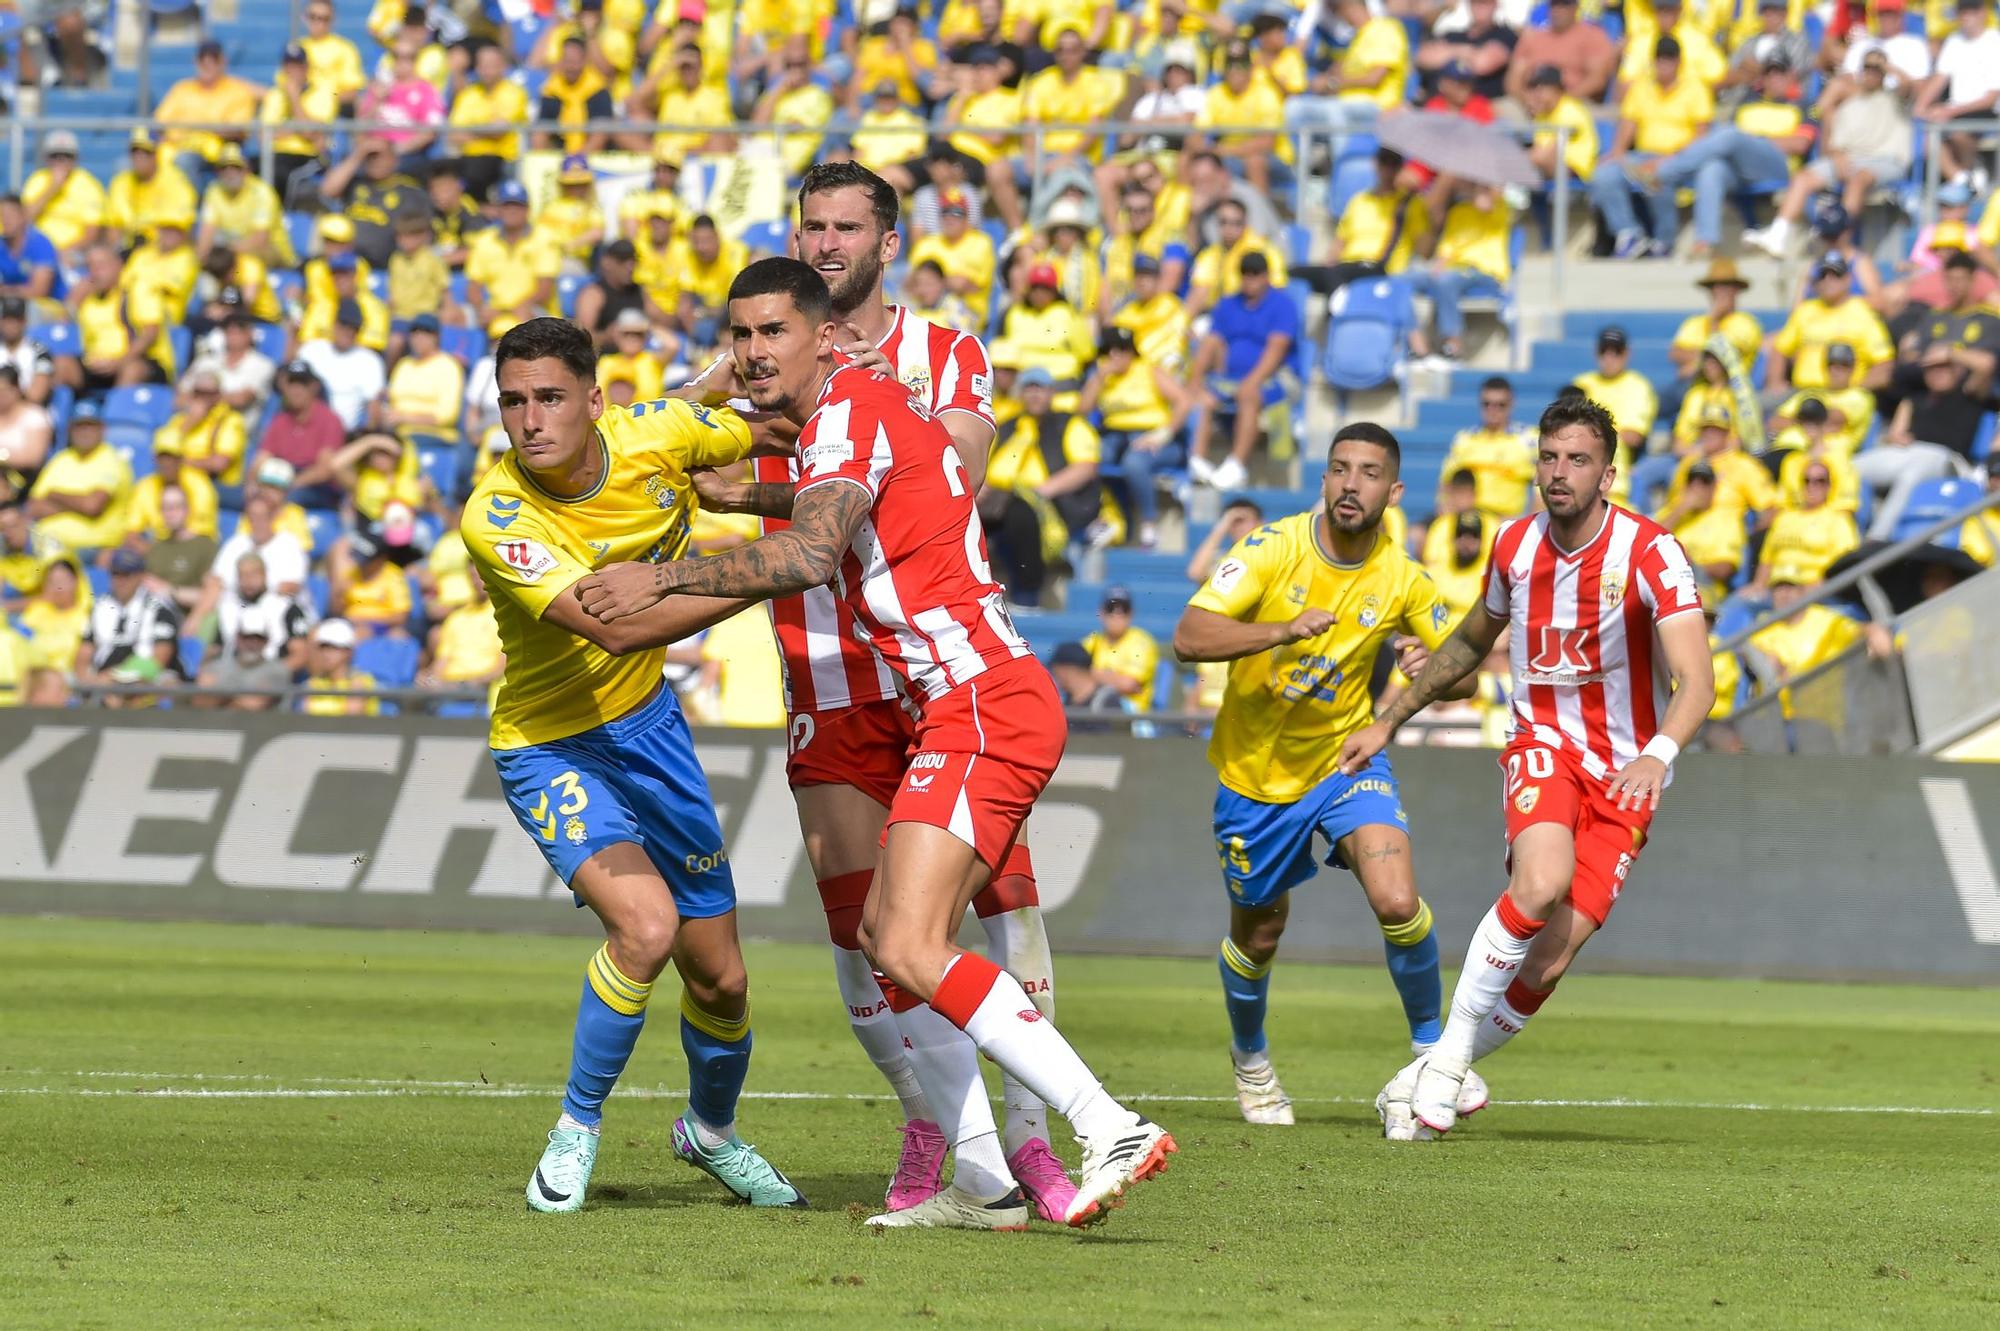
(1603, 615)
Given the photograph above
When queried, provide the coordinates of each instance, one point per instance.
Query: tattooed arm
(766, 499)
(1458, 657)
(805, 554)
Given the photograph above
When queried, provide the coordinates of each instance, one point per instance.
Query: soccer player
(1602, 611)
(593, 752)
(885, 505)
(850, 735)
(1301, 607)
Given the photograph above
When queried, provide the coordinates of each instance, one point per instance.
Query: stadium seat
(319, 594)
(443, 465)
(390, 658)
(1932, 502)
(60, 339)
(568, 287)
(1368, 326)
(467, 344)
(324, 523)
(1351, 176)
(181, 338)
(150, 405)
(136, 443)
(288, 286)
(768, 237)
(272, 339)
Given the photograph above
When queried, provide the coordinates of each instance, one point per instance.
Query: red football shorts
(866, 746)
(1545, 785)
(985, 751)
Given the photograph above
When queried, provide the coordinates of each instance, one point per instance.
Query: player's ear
(892, 244)
(596, 401)
(1395, 493)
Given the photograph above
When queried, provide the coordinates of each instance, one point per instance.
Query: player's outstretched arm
(1204, 635)
(806, 554)
(673, 620)
(1684, 643)
(765, 499)
(1457, 657)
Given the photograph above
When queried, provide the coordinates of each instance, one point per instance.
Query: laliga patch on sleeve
(528, 559)
(1227, 574)
(829, 452)
(982, 388)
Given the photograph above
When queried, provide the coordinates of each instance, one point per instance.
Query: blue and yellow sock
(1246, 990)
(718, 1055)
(1412, 949)
(608, 1021)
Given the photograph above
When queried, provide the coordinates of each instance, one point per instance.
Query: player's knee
(1396, 906)
(1257, 938)
(1536, 889)
(643, 947)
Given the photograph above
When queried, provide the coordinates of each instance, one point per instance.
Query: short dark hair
(826, 177)
(702, 220)
(1577, 409)
(550, 339)
(1462, 476)
(779, 275)
(1954, 260)
(929, 265)
(1368, 432)
(1496, 383)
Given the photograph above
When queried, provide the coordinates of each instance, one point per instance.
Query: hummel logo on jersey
(503, 512)
(599, 548)
(1029, 1014)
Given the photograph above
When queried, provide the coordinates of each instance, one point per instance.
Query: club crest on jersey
(529, 559)
(657, 490)
(1614, 589)
(1298, 594)
(1371, 611)
(918, 381)
(575, 831)
(1529, 797)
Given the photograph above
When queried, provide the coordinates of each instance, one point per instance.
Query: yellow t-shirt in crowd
(1742, 483)
(1159, 329)
(644, 372)
(1802, 542)
(505, 103)
(1135, 655)
(1260, 107)
(1502, 463)
(1216, 269)
(76, 210)
(510, 270)
(751, 689)
(381, 598)
(1381, 41)
(142, 510)
(1048, 99)
(1742, 331)
(1668, 118)
(1845, 492)
(435, 384)
(1370, 219)
(134, 207)
(253, 211)
(998, 113)
(970, 258)
(707, 106)
(1478, 238)
(221, 433)
(332, 60)
(230, 101)
(1580, 153)
(468, 644)
(1850, 414)
(889, 138)
(1815, 325)
(1713, 537)
(70, 473)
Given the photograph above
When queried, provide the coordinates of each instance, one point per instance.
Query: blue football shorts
(1266, 850)
(634, 779)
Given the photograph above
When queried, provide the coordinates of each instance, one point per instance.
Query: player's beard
(862, 275)
(765, 394)
(1569, 503)
(1354, 524)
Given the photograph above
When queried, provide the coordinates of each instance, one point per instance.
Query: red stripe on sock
(1524, 1000)
(1514, 922)
(898, 998)
(845, 891)
(967, 981)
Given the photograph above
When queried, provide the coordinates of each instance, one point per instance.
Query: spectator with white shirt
(1880, 27)
(31, 360)
(245, 373)
(1867, 144)
(133, 634)
(1965, 85)
(284, 560)
(285, 622)
(351, 374)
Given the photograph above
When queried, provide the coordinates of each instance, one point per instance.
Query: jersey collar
(603, 451)
(1603, 526)
(1326, 556)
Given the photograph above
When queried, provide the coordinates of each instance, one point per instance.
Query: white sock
(1035, 1052)
(1501, 1026)
(1778, 230)
(568, 1124)
(948, 1066)
(1491, 963)
(709, 1136)
(875, 1027)
(1017, 941)
(1249, 1062)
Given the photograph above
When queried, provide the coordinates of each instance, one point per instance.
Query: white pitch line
(346, 1088)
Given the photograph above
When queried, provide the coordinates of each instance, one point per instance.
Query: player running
(1602, 610)
(884, 504)
(850, 734)
(1301, 607)
(594, 753)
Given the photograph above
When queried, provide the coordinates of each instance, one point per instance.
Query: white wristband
(1663, 748)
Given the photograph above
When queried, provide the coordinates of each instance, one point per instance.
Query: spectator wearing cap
(1043, 331)
(419, 281)
(242, 214)
(350, 372)
(1123, 656)
(1711, 392)
(305, 433)
(372, 188)
(659, 197)
(331, 59)
(334, 687)
(1581, 52)
(1137, 229)
(510, 269)
(963, 252)
(1832, 313)
(247, 677)
(1929, 438)
(1700, 58)
(1077, 683)
(794, 99)
(79, 498)
(1767, 140)
(1276, 61)
(889, 138)
(426, 391)
(1965, 84)
(368, 588)
(895, 54)
(1710, 532)
(54, 619)
(1218, 267)
(158, 282)
(1884, 26)
(295, 99)
(34, 365)
(1551, 109)
(133, 634)
(455, 219)
(1743, 483)
(702, 264)
(1774, 39)
(483, 116)
(1468, 257)
(677, 92)
(147, 191)
(1724, 285)
(272, 478)
(1156, 317)
(1455, 550)
(1239, 375)
(1483, 46)
(145, 511)
(1850, 408)
(1622, 391)
(1380, 228)
(322, 313)
(26, 432)
(208, 431)
(1498, 452)
(573, 221)
(1063, 244)
(1141, 407)
(335, 234)
(64, 201)
(178, 557)
(614, 293)
(945, 171)
(1662, 112)
(30, 268)
(1049, 458)
(1264, 156)
(631, 372)
(1808, 442)
(987, 146)
(926, 296)
(213, 96)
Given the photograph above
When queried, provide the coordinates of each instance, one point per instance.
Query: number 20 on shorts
(1525, 767)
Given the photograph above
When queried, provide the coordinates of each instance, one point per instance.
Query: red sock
(1514, 921)
(1524, 1000)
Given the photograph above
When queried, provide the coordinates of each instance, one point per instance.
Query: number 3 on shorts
(574, 801)
(1235, 859)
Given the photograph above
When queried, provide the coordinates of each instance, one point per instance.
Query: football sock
(1498, 946)
(609, 1018)
(1412, 950)
(718, 1055)
(1246, 990)
(989, 1005)
(948, 1065)
(868, 1014)
(1018, 941)
(1517, 1005)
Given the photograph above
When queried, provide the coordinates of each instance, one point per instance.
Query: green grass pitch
(212, 1125)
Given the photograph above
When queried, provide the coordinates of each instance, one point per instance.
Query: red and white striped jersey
(827, 663)
(915, 577)
(1589, 676)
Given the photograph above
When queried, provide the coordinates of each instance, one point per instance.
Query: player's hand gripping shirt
(1286, 711)
(531, 546)
(1589, 677)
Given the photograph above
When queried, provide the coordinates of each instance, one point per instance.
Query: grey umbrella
(1455, 146)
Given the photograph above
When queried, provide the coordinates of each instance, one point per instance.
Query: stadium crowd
(238, 411)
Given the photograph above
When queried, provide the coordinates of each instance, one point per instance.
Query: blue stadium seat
(191, 652)
(1298, 245)
(768, 237)
(568, 287)
(324, 523)
(60, 339)
(288, 286)
(391, 660)
(442, 465)
(136, 443)
(272, 339)
(460, 294)
(319, 593)
(181, 338)
(1350, 177)
(1366, 333)
(1932, 502)
(150, 405)
(468, 344)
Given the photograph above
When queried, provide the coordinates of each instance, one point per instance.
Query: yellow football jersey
(1286, 711)
(531, 546)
